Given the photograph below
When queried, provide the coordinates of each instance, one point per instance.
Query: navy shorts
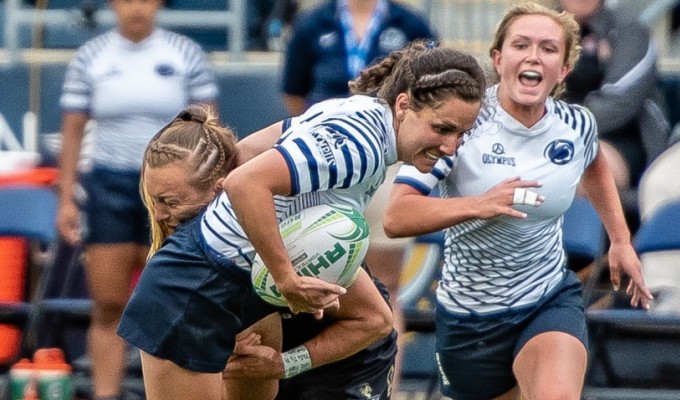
(475, 354)
(365, 375)
(190, 303)
(114, 211)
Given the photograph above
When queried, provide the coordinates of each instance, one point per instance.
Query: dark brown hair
(429, 75)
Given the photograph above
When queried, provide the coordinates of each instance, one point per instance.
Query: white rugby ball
(327, 241)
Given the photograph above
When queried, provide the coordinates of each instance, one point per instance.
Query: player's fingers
(640, 285)
(524, 196)
(318, 314)
(333, 306)
(331, 288)
(615, 278)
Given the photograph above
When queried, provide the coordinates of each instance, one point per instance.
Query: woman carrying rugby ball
(195, 294)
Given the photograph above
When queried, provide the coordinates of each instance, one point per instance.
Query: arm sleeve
(201, 82)
(424, 183)
(76, 93)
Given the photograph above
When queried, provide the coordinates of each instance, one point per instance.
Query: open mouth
(432, 156)
(530, 78)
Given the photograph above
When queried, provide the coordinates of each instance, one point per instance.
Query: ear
(218, 186)
(401, 106)
(496, 60)
(566, 69)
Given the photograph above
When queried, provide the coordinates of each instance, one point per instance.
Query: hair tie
(186, 115)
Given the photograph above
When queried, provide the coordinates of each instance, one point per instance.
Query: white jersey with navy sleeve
(132, 90)
(337, 153)
(492, 266)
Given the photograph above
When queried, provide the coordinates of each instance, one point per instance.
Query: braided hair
(196, 138)
(428, 74)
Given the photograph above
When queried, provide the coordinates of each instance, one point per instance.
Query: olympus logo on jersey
(498, 156)
(559, 151)
(324, 139)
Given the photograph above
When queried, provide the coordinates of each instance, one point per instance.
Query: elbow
(379, 325)
(393, 227)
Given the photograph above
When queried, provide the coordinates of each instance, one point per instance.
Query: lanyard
(357, 53)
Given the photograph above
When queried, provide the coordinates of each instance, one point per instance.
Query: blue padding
(51, 81)
(250, 99)
(28, 212)
(661, 231)
(583, 232)
(14, 98)
(432, 238)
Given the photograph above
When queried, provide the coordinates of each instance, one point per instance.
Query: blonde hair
(428, 74)
(196, 138)
(572, 32)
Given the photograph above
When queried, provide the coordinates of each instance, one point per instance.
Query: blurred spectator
(659, 185)
(616, 78)
(267, 21)
(130, 81)
(330, 44)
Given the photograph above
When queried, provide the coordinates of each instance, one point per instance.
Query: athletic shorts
(190, 303)
(113, 210)
(365, 375)
(475, 354)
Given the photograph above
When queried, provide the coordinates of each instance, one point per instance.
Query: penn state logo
(165, 70)
(391, 39)
(559, 151)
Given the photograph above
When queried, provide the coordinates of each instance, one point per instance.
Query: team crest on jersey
(559, 151)
(325, 141)
(497, 156)
(165, 69)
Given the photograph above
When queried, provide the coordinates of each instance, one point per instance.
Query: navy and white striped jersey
(132, 90)
(337, 153)
(492, 266)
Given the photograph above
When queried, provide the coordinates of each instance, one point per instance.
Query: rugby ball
(328, 242)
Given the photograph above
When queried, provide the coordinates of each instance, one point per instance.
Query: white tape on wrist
(296, 361)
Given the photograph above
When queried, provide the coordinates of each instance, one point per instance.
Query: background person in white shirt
(130, 81)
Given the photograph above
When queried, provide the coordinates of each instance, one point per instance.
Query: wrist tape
(296, 361)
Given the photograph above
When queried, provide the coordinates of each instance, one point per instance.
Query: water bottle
(22, 381)
(53, 375)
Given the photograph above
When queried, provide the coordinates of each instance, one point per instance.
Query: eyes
(445, 129)
(545, 47)
(163, 201)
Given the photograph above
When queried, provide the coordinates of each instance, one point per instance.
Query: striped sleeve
(424, 183)
(336, 153)
(588, 134)
(201, 83)
(76, 95)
